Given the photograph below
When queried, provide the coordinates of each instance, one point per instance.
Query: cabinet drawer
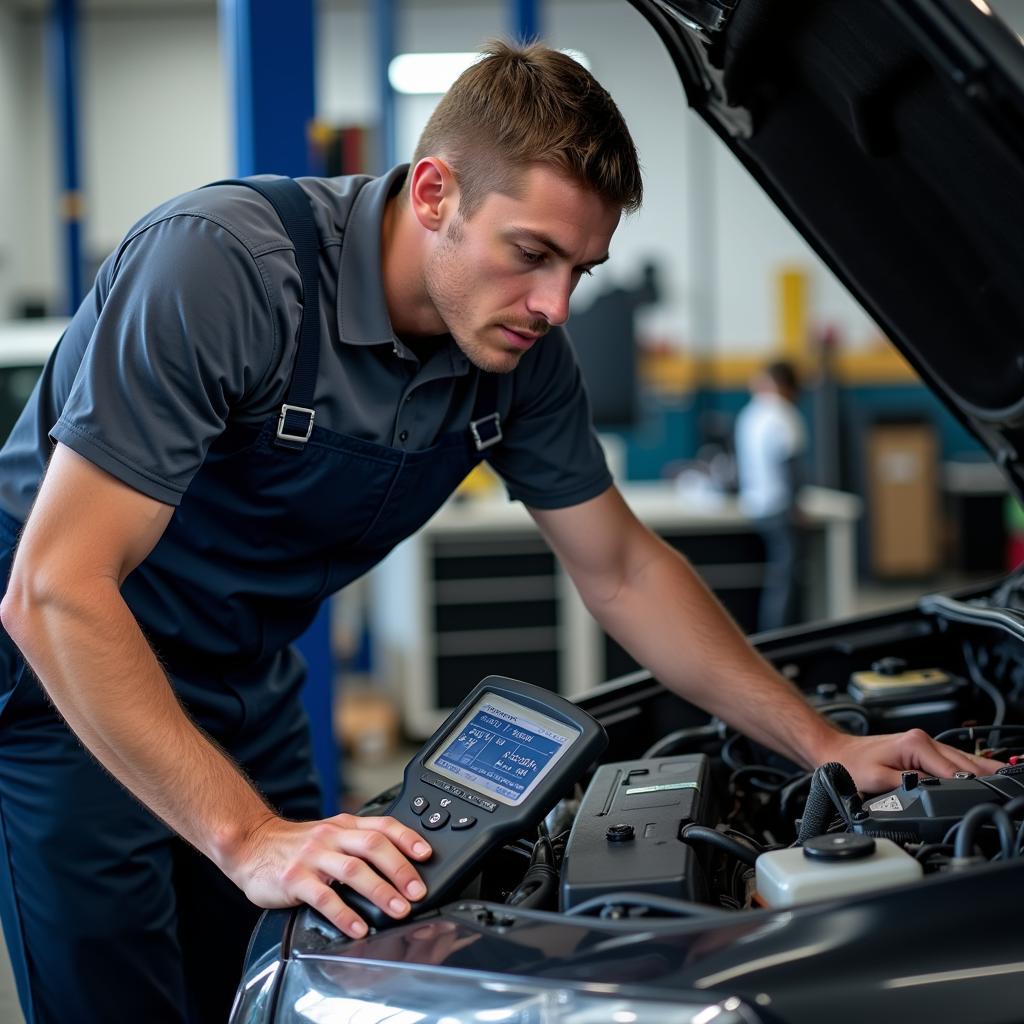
(718, 548)
(479, 560)
(505, 615)
(495, 591)
(456, 676)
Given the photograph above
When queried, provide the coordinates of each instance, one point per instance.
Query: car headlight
(316, 991)
(254, 1001)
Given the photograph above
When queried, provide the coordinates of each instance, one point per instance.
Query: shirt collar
(363, 317)
(362, 307)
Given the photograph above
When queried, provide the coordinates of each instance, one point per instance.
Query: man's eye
(528, 256)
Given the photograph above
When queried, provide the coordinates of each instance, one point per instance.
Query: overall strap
(295, 422)
(485, 426)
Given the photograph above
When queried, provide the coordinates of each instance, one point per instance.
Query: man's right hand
(283, 863)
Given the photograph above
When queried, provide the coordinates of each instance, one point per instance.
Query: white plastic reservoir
(836, 864)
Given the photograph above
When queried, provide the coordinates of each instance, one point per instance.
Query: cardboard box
(367, 724)
(903, 500)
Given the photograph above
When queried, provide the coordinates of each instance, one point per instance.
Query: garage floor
(371, 780)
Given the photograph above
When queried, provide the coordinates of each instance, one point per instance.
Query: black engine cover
(626, 834)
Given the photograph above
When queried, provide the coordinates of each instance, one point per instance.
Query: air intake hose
(831, 786)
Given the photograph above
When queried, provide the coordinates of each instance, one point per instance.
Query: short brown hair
(784, 376)
(522, 105)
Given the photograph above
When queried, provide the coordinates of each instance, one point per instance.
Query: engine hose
(930, 849)
(683, 739)
(964, 846)
(703, 834)
(540, 883)
(829, 784)
(1014, 807)
(537, 889)
(998, 703)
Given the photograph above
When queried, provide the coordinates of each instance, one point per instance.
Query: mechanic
(771, 444)
(187, 528)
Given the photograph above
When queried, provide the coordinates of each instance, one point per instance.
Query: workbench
(477, 591)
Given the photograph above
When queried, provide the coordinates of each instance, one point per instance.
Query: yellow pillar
(793, 286)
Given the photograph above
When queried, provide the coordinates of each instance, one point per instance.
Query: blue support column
(524, 18)
(63, 54)
(384, 25)
(270, 53)
(269, 50)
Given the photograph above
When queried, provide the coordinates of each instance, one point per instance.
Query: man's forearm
(94, 662)
(666, 617)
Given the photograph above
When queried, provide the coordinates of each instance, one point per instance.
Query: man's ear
(433, 193)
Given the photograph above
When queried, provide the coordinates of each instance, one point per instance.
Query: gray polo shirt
(191, 326)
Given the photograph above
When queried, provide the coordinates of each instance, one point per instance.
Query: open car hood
(891, 134)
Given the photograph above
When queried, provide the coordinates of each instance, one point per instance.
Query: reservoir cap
(839, 846)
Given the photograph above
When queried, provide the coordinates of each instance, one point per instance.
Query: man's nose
(550, 300)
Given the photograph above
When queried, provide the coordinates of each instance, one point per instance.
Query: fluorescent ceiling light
(434, 73)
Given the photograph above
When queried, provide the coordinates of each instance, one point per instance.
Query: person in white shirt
(771, 441)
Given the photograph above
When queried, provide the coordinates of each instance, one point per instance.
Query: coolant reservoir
(832, 865)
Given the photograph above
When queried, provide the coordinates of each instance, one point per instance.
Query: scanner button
(464, 821)
(419, 804)
(436, 820)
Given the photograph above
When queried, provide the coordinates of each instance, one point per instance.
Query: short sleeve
(788, 440)
(184, 331)
(550, 456)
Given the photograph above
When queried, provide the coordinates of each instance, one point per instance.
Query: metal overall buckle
(483, 442)
(300, 438)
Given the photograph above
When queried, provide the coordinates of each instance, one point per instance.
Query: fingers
(382, 842)
(409, 842)
(876, 761)
(985, 765)
(942, 760)
(354, 872)
(313, 891)
(369, 855)
(935, 758)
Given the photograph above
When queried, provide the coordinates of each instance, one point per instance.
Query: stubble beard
(445, 285)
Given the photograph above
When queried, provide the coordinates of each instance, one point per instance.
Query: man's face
(502, 279)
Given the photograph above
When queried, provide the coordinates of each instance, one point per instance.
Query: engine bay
(684, 816)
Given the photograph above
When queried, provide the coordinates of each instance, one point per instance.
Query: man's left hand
(875, 762)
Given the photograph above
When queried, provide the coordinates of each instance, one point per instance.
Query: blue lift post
(270, 54)
(384, 13)
(63, 53)
(524, 16)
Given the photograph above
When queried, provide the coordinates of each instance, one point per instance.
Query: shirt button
(403, 436)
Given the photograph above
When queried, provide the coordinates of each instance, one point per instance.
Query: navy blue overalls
(109, 916)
